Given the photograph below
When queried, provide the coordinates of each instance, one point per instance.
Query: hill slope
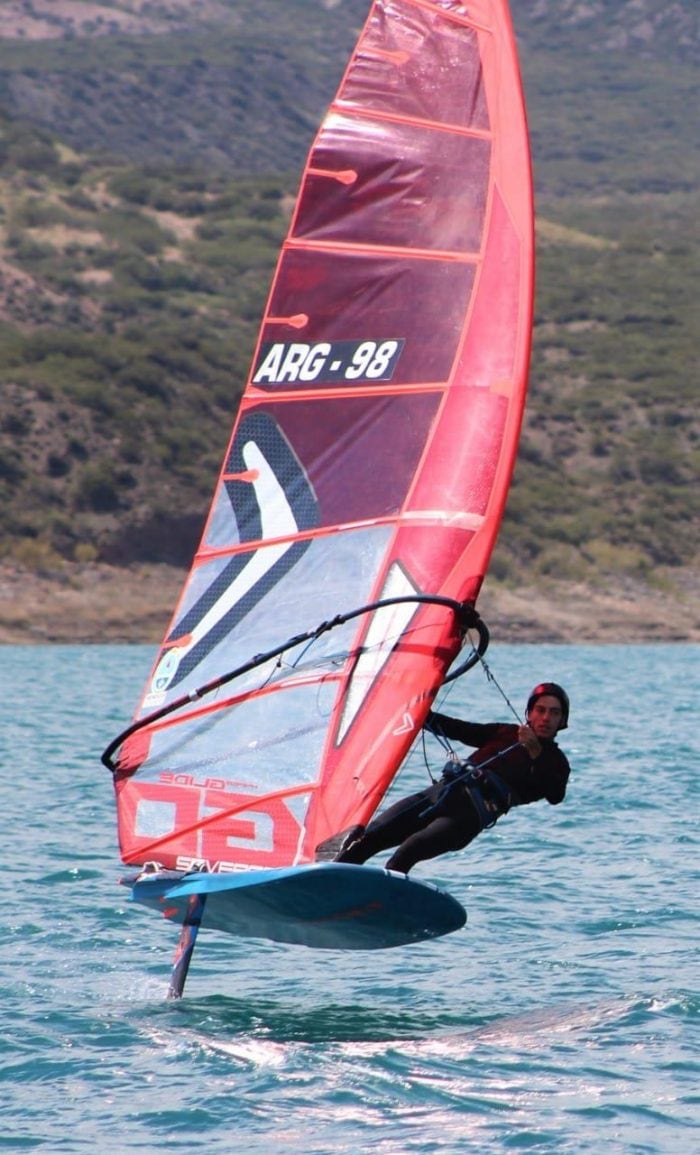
(148, 161)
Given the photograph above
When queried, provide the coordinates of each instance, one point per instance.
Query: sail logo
(184, 820)
(276, 501)
(407, 725)
(326, 362)
(187, 863)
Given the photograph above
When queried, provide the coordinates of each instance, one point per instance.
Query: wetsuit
(451, 812)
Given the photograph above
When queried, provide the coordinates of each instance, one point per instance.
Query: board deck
(332, 906)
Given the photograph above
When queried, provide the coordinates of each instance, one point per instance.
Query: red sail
(370, 459)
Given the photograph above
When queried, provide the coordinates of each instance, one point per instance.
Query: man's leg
(442, 834)
(397, 823)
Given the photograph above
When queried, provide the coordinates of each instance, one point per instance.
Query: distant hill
(149, 155)
(241, 87)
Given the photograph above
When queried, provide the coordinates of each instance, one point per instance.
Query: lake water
(562, 1018)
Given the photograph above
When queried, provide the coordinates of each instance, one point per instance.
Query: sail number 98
(326, 362)
(371, 360)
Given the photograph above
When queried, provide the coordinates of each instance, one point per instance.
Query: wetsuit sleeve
(553, 766)
(470, 733)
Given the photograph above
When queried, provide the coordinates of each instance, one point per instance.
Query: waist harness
(488, 793)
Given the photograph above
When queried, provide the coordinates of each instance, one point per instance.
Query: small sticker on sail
(326, 362)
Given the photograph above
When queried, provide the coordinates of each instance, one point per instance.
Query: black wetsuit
(450, 813)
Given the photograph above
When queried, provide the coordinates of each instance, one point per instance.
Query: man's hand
(529, 741)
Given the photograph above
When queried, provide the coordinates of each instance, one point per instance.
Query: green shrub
(57, 466)
(11, 468)
(85, 552)
(36, 555)
(97, 488)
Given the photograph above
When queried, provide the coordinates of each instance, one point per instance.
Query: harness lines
(489, 794)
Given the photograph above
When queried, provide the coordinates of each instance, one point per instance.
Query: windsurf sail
(369, 464)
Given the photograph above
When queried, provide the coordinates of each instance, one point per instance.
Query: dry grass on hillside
(99, 603)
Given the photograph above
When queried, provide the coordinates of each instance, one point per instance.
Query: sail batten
(364, 114)
(367, 249)
(368, 466)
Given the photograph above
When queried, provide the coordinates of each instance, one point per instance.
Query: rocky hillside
(242, 86)
(148, 160)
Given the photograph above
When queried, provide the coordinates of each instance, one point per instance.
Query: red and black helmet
(557, 692)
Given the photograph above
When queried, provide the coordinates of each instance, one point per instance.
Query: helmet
(557, 692)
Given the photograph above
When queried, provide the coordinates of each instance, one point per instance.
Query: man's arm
(556, 775)
(455, 729)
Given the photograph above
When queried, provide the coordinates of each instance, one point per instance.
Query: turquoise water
(563, 1018)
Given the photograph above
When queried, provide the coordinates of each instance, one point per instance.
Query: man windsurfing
(513, 765)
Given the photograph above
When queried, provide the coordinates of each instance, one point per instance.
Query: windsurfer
(513, 765)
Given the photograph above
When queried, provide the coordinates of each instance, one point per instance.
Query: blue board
(327, 905)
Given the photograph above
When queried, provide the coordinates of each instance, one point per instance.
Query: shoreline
(100, 604)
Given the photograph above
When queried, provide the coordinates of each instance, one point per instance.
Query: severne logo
(275, 502)
(407, 724)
